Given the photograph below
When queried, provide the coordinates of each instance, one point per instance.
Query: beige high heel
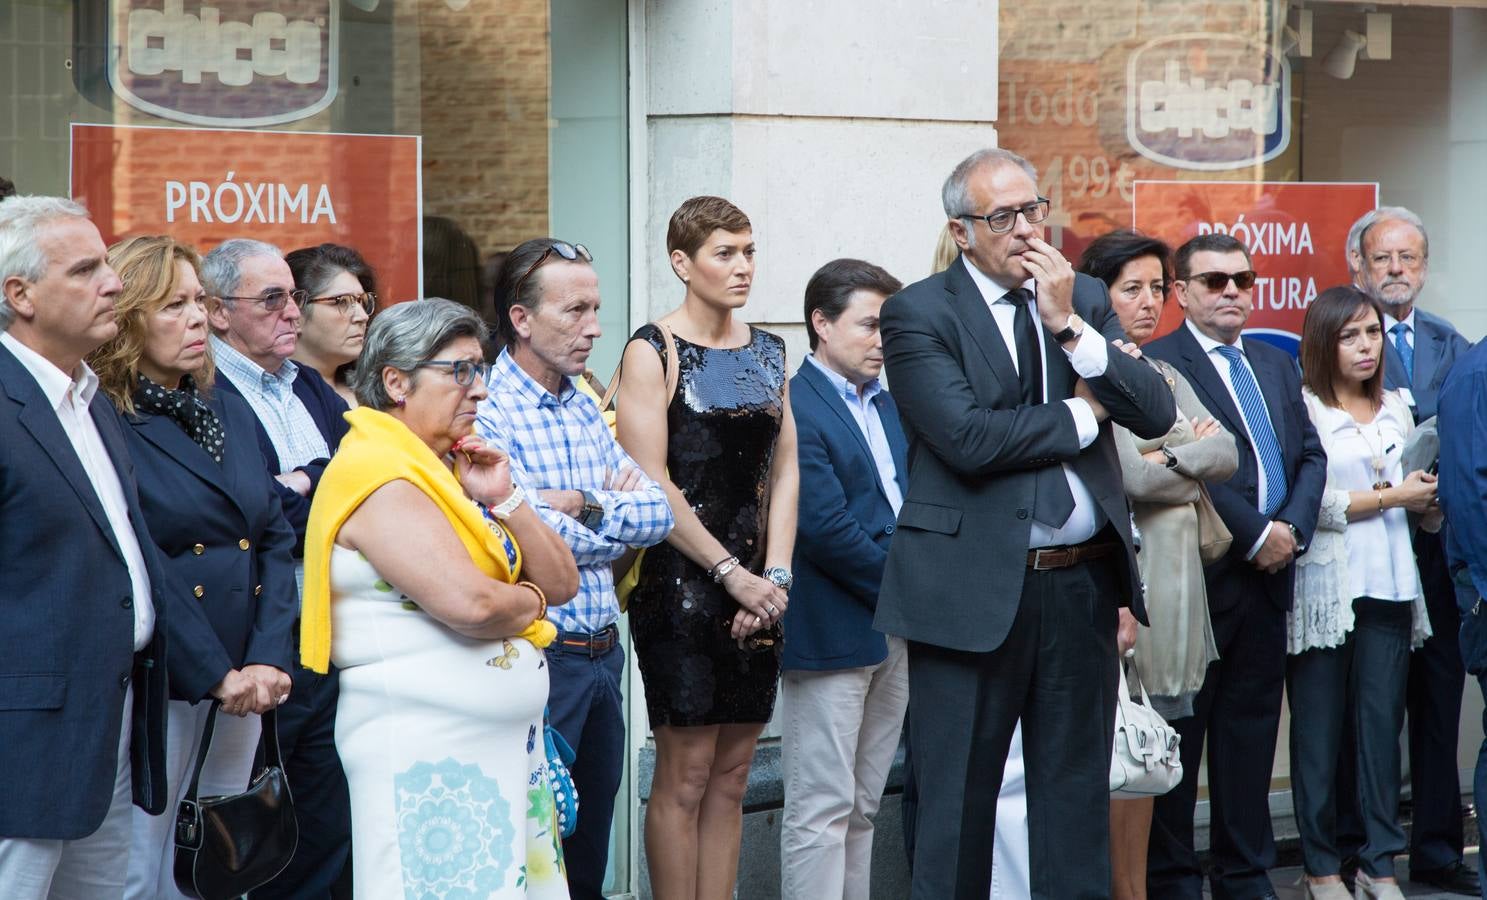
(1369, 889)
(1333, 890)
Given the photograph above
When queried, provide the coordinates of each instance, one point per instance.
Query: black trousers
(1238, 713)
(1057, 671)
(321, 867)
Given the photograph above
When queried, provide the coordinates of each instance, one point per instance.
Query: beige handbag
(1213, 535)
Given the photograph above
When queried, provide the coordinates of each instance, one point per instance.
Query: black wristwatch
(1171, 457)
(592, 514)
(1072, 330)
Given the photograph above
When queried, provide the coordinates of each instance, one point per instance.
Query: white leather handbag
(1146, 761)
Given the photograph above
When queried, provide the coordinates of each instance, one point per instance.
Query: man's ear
(18, 296)
(521, 324)
(217, 314)
(960, 233)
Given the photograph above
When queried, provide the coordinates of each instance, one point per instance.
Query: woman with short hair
(427, 581)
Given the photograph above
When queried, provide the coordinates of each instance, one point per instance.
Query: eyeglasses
(564, 249)
(465, 370)
(275, 300)
(1217, 281)
(1002, 221)
(1407, 259)
(343, 302)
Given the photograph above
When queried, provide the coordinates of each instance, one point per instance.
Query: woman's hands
(1418, 492)
(483, 471)
(1206, 428)
(252, 689)
(761, 602)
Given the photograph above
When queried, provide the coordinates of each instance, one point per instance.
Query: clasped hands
(761, 602)
(252, 689)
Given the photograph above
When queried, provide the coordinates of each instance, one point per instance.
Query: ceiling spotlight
(1343, 58)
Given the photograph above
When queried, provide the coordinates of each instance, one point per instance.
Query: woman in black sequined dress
(705, 620)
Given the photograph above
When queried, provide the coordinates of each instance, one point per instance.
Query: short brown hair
(147, 266)
(699, 217)
(1333, 309)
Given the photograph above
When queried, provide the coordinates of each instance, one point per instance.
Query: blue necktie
(1267, 446)
(1401, 334)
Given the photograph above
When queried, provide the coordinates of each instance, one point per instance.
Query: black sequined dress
(722, 425)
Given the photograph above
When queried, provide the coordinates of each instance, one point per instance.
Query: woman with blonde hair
(212, 512)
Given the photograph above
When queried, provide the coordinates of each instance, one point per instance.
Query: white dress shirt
(1089, 358)
(1409, 327)
(1221, 365)
(870, 423)
(69, 397)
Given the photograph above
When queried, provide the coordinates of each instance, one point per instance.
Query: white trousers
(91, 868)
(841, 731)
(1011, 875)
(228, 769)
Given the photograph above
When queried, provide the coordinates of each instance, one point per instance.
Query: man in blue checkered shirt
(587, 489)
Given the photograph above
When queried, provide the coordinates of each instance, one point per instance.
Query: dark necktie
(1052, 503)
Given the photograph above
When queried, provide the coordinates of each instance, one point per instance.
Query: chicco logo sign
(225, 62)
(1207, 102)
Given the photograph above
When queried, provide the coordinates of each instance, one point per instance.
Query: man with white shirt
(1013, 546)
(82, 636)
(844, 686)
(1389, 255)
(1270, 505)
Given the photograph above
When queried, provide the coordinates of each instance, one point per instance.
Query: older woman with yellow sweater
(427, 581)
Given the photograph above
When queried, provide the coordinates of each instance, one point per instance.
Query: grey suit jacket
(1437, 346)
(955, 570)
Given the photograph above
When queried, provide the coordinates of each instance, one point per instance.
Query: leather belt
(596, 644)
(1045, 558)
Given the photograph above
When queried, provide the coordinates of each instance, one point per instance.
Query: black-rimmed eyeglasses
(465, 370)
(276, 299)
(1003, 220)
(344, 302)
(570, 252)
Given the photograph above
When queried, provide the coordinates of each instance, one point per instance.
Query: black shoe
(1457, 878)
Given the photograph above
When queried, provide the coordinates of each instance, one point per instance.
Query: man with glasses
(1013, 544)
(1389, 255)
(1270, 505)
(588, 490)
(254, 312)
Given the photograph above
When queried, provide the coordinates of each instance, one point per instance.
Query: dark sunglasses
(342, 303)
(570, 252)
(275, 300)
(1217, 281)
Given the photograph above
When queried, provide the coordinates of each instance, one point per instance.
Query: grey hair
(21, 255)
(1373, 217)
(222, 269)
(406, 336)
(956, 194)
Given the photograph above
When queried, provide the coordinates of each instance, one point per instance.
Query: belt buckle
(1038, 565)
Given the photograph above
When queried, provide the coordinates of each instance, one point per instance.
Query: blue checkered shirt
(562, 443)
(294, 434)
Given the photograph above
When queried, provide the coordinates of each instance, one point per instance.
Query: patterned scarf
(188, 410)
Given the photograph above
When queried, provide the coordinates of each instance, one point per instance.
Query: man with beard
(1389, 254)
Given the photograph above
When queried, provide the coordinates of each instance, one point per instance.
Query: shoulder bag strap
(672, 371)
(201, 753)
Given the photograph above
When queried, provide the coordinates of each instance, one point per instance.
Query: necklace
(1379, 481)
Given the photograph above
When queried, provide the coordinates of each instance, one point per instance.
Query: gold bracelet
(541, 599)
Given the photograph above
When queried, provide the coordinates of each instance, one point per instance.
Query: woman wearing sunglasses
(341, 295)
(1358, 607)
(706, 613)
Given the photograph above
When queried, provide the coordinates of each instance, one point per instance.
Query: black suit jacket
(327, 409)
(222, 532)
(1237, 500)
(67, 626)
(955, 571)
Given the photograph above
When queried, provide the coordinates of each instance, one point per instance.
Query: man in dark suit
(1013, 546)
(1389, 254)
(255, 329)
(82, 670)
(845, 686)
(1270, 505)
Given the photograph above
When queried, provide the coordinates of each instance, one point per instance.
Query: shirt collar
(1409, 321)
(244, 372)
(845, 388)
(992, 292)
(54, 383)
(506, 373)
(1209, 344)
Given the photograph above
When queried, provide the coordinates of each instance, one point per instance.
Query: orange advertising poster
(1296, 235)
(292, 189)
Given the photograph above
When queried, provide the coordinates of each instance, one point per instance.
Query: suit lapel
(1428, 346)
(968, 303)
(1394, 366)
(1275, 402)
(838, 407)
(168, 437)
(898, 444)
(1205, 378)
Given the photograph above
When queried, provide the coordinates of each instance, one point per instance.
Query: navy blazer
(67, 626)
(1237, 500)
(1437, 347)
(1463, 492)
(222, 533)
(843, 529)
(328, 410)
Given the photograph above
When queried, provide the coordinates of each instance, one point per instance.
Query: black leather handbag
(227, 846)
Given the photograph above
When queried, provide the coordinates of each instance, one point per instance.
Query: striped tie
(1401, 333)
(1267, 446)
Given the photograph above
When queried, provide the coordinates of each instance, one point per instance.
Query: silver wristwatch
(780, 577)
